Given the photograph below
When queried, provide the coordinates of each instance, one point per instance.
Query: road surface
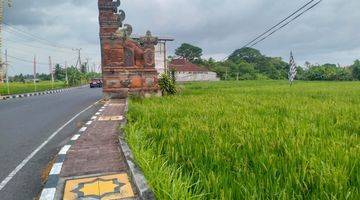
(26, 123)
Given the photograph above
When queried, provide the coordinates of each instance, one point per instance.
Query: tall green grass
(20, 88)
(250, 140)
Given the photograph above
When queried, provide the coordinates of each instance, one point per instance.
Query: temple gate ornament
(128, 65)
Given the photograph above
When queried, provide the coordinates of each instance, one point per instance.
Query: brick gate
(128, 65)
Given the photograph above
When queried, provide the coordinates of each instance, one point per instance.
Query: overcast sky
(328, 33)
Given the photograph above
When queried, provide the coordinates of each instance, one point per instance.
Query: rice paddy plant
(20, 88)
(250, 140)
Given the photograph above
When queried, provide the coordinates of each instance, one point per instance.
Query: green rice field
(250, 140)
(20, 88)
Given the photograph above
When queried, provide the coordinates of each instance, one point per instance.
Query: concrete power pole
(51, 70)
(2, 65)
(78, 62)
(35, 73)
(66, 75)
(7, 72)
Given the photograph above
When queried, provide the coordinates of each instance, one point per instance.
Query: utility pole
(35, 73)
(226, 76)
(87, 66)
(51, 70)
(78, 62)
(66, 75)
(2, 65)
(7, 72)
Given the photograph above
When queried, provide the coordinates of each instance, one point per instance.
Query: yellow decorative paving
(110, 118)
(108, 187)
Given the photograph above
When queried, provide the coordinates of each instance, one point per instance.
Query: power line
(282, 21)
(293, 19)
(48, 42)
(26, 40)
(25, 60)
(21, 33)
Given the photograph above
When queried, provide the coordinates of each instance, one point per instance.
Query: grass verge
(21, 88)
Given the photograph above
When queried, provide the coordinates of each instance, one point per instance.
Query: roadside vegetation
(20, 88)
(250, 140)
(21, 83)
(251, 64)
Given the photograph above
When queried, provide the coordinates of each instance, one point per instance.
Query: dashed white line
(89, 123)
(28, 158)
(83, 129)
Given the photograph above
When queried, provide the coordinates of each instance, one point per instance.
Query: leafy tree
(356, 70)
(59, 73)
(189, 52)
(44, 77)
(19, 78)
(247, 54)
(83, 68)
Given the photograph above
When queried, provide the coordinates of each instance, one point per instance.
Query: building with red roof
(186, 71)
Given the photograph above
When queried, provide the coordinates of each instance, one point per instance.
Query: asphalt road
(26, 123)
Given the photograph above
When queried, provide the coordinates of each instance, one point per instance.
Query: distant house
(187, 71)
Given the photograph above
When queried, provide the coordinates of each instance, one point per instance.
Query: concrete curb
(15, 96)
(52, 183)
(139, 180)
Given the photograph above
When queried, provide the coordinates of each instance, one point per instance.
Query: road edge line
(49, 190)
(8, 178)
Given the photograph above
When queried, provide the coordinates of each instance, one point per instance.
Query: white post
(51, 70)
(35, 73)
(7, 72)
(66, 75)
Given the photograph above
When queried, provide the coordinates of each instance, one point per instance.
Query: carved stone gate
(128, 65)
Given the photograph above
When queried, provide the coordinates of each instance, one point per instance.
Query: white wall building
(186, 71)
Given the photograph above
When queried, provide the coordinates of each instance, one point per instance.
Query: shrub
(167, 86)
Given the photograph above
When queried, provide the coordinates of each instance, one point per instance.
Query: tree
(189, 52)
(59, 73)
(356, 70)
(247, 54)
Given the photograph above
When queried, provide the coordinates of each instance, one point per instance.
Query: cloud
(328, 33)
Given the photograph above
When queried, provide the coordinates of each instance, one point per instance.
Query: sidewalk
(93, 164)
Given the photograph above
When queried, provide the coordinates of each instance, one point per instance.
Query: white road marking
(101, 110)
(89, 123)
(75, 137)
(83, 129)
(26, 160)
(97, 113)
(64, 150)
(48, 194)
(56, 169)
(93, 117)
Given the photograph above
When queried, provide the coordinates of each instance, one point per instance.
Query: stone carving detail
(129, 57)
(148, 42)
(128, 64)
